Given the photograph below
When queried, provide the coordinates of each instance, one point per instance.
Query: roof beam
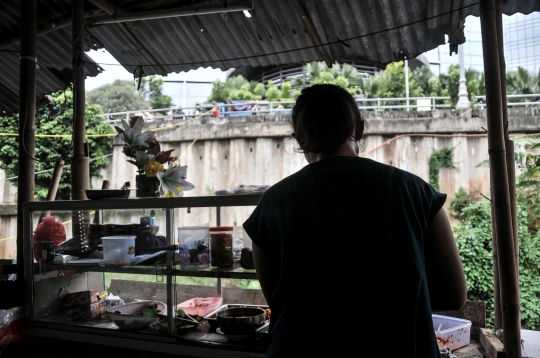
(47, 27)
(314, 35)
(172, 12)
(112, 9)
(141, 49)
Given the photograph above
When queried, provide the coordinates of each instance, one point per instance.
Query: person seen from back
(359, 99)
(352, 255)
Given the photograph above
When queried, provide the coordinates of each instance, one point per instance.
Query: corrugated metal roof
(279, 32)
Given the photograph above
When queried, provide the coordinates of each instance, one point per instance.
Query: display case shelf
(51, 278)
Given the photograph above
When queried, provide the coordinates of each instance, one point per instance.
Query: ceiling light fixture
(247, 14)
(176, 12)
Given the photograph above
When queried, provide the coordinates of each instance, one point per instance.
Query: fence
(419, 104)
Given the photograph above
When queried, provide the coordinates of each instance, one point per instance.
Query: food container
(200, 306)
(240, 320)
(118, 250)
(211, 317)
(193, 247)
(221, 246)
(451, 332)
(129, 317)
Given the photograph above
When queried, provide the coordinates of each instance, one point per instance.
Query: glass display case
(113, 252)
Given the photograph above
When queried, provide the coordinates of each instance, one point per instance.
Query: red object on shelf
(49, 229)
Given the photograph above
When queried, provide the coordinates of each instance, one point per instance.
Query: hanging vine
(439, 159)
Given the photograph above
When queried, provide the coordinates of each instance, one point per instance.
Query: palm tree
(521, 81)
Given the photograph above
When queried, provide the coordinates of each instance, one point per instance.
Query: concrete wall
(257, 150)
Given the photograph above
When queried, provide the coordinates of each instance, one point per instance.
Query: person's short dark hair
(357, 92)
(324, 117)
(264, 98)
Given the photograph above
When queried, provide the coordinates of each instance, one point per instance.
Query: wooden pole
(27, 124)
(53, 186)
(508, 277)
(80, 172)
(510, 159)
(80, 164)
(496, 285)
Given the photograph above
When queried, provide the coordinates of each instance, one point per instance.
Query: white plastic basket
(452, 332)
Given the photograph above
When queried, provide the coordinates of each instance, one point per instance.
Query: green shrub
(474, 241)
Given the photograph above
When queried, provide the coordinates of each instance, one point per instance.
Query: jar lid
(221, 228)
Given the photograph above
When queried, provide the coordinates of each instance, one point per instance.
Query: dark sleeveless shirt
(346, 237)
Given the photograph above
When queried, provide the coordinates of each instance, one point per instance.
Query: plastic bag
(49, 229)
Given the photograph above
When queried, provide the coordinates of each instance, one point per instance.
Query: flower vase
(146, 186)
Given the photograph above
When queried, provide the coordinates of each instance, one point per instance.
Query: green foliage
(153, 90)
(474, 241)
(460, 201)
(286, 92)
(439, 159)
(119, 96)
(522, 81)
(528, 180)
(475, 249)
(242, 94)
(272, 92)
(219, 92)
(56, 118)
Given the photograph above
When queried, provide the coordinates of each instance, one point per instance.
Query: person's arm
(446, 279)
(262, 266)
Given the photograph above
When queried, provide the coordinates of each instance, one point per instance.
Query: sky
(113, 71)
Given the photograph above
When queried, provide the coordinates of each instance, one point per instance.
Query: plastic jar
(221, 246)
(193, 247)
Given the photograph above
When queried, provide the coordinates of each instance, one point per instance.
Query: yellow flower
(170, 194)
(152, 168)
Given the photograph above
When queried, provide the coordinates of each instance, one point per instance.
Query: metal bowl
(129, 317)
(240, 320)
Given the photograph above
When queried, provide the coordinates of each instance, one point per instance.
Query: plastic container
(451, 332)
(200, 305)
(221, 246)
(193, 247)
(118, 250)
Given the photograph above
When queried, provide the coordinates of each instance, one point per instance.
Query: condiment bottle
(221, 246)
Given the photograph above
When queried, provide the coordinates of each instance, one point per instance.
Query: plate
(236, 337)
(100, 194)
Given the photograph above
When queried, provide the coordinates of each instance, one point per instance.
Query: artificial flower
(152, 168)
(145, 153)
(173, 178)
(134, 136)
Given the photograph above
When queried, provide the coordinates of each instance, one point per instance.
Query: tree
(522, 81)
(56, 118)
(119, 96)
(219, 92)
(474, 80)
(153, 92)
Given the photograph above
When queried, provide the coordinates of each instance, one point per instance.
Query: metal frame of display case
(165, 343)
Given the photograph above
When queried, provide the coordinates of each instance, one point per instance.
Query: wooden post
(510, 159)
(27, 124)
(53, 186)
(80, 164)
(80, 172)
(496, 283)
(508, 277)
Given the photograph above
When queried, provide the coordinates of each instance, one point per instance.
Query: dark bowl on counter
(211, 318)
(99, 194)
(240, 320)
